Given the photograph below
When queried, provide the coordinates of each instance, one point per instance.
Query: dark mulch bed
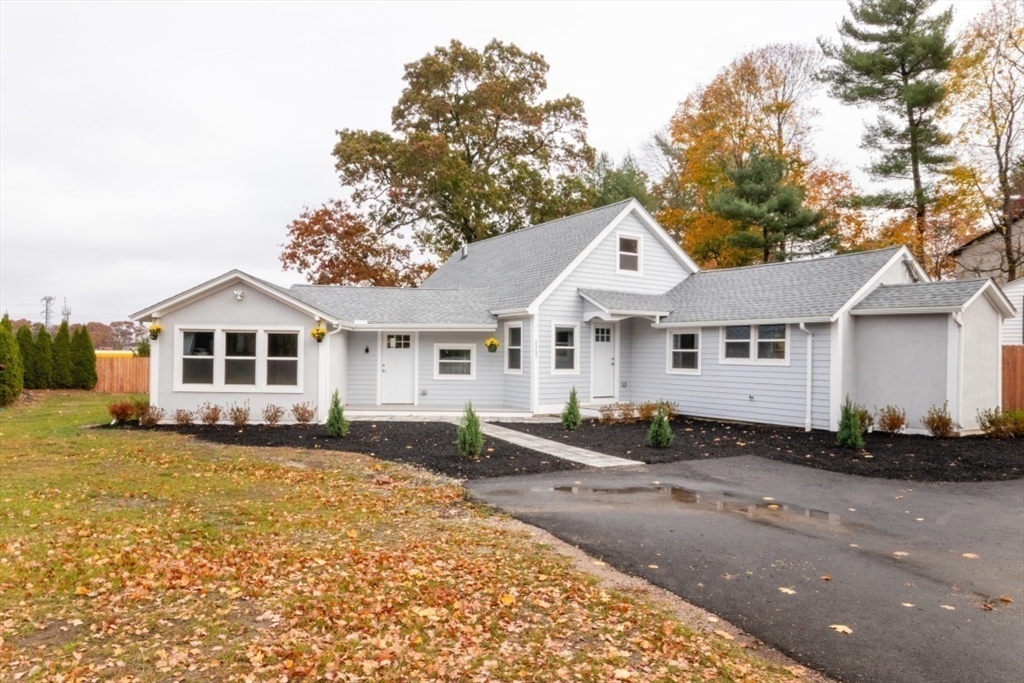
(430, 445)
(917, 458)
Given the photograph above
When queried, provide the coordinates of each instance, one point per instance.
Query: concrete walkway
(559, 450)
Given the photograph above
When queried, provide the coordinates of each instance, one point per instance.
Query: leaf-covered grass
(159, 557)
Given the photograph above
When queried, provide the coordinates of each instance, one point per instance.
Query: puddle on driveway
(724, 502)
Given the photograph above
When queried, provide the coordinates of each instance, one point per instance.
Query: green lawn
(137, 556)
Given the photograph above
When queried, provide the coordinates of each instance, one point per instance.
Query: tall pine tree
(84, 358)
(27, 347)
(12, 376)
(44, 359)
(63, 363)
(769, 213)
(893, 56)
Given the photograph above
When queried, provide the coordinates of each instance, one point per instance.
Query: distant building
(985, 255)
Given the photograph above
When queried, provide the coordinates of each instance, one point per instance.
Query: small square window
(685, 351)
(453, 361)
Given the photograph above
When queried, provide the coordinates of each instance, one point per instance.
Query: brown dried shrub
(210, 413)
(939, 422)
(303, 412)
(647, 410)
(184, 417)
(151, 417)
(272, 414)
(239, 414)
(606, 413)
(891, 419)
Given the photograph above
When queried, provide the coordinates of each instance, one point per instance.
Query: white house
(1013, 328)
(604, 301)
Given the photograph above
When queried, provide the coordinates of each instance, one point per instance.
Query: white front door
(397, 369)
(603, 363)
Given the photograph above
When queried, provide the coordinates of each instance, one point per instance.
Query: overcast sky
(147, 147)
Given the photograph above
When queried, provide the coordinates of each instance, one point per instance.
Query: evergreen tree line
(66, 361)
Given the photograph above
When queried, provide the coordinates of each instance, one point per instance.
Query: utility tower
(65, 312)
(47, 312)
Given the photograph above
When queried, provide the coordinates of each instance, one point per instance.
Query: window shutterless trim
(575, 370)
(509, 347)
(670, 349)
(220, 357)
(442, 346)
(621, 235)
(755, 338)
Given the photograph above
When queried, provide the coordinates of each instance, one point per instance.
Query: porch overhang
(600, 311)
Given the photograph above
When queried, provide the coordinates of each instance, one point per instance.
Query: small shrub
(337, 425)
(606, 413)
(210, 413)
(303, 412)
(139, 407)
(850, 434)
(867, 420)
(939, 422)
(647, 410)
(471, 436)
(668, 409)
(660, 433)
(272, 414)
(239, 414)
(891, 420)
(184, 417)
(151, 417)
(1001, 425)
(571, 418)
(626, 413)
(121, 411)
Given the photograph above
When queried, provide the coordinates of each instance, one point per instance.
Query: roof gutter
(918, 310)
(723, 323)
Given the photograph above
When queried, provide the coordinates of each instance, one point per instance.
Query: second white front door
(397, 369)
(603, 363)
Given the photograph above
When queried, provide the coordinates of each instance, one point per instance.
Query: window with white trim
(564, 346)
(629, 254)
(755, 343)
(514, 348)
(220, 359)
(454, 361)
(684, 352)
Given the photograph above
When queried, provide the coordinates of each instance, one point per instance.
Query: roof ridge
(790, 263)
(553, 220)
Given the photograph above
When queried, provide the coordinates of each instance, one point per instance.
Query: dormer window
(629, 254)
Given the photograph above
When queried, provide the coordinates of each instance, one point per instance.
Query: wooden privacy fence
(122, 375)
(1013, 378)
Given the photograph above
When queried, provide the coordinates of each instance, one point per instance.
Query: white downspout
(957, 407)
(810, 375)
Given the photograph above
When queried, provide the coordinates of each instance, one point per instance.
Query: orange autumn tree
(334, 245)
(759, 102)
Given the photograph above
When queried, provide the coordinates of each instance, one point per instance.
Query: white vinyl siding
(484, 389)
(454, 361)
(361, 365)
(771, 394)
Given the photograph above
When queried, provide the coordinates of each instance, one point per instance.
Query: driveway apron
(929, 578)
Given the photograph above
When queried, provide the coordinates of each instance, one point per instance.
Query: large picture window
(684, 352)
(221, 359)
(755, 343)
(454, 361)
(565, 340)
(514, 348)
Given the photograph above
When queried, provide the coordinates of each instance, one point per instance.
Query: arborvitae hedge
(83, 357)
(27, 348)
(44, 359)
(12, 374)
(63, 363)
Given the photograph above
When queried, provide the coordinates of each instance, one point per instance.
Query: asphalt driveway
(928, 577)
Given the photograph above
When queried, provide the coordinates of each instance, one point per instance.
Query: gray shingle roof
(938, 295)
(516, 267)
(398, 306)
(628, 301)
(815, 288)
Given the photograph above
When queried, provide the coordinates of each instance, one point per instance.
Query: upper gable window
(629, 253)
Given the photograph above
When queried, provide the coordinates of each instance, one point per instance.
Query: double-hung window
(754, 343)
(454, 361)
(629, 254)
(564, 344)
(684, 352)
(514, 348)
(224, 359)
